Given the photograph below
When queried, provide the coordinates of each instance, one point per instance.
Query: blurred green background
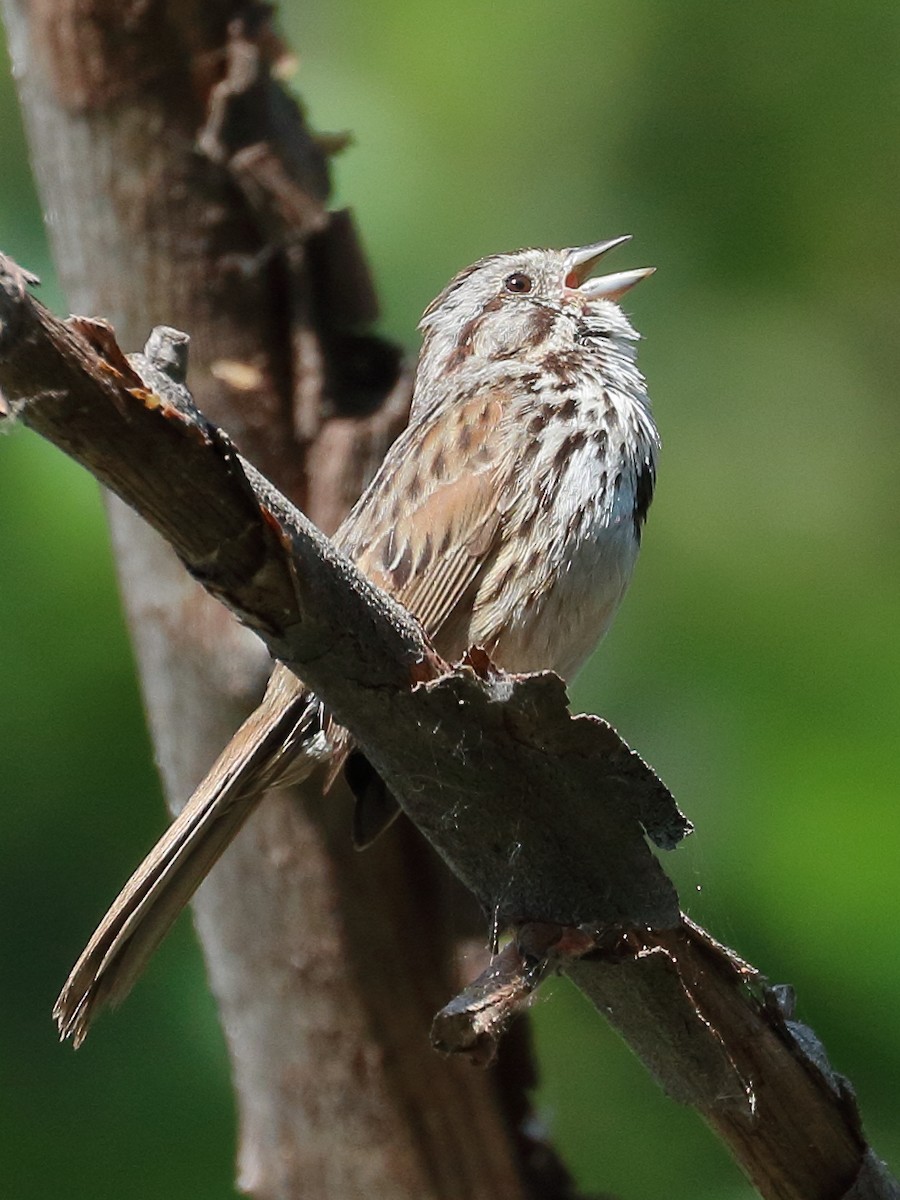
(753, 152)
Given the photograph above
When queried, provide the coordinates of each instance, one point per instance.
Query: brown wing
(431, 519)
(425, 529)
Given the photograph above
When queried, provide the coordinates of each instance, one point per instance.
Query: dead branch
(535, 810)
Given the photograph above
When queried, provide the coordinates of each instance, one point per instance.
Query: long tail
(280, 742)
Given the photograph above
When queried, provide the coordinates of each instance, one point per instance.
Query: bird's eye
(518, 282)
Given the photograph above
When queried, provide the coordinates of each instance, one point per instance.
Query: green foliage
(752, 151)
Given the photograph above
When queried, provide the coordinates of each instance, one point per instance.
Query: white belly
(552, 594)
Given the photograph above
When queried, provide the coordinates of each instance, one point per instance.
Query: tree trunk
(313, 952)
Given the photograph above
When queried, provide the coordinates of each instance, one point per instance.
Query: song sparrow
(507, 515)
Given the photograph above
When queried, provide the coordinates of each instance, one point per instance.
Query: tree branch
(531, 768)
(540, 813)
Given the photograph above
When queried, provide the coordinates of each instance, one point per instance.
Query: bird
(507, 515)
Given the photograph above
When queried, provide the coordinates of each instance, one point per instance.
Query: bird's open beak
(581, 261)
